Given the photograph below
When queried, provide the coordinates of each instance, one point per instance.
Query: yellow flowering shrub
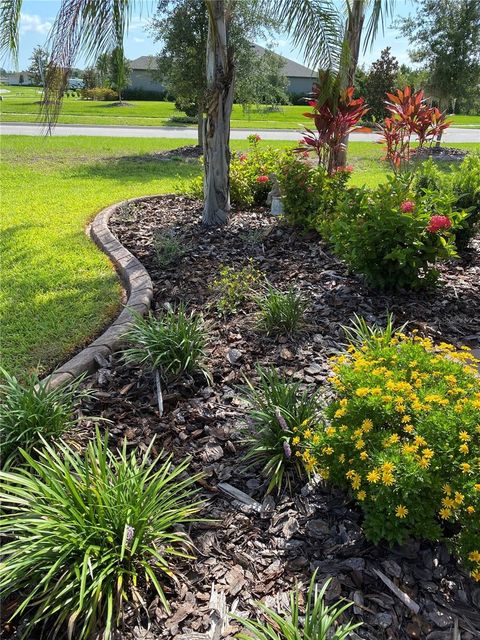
(403, 435)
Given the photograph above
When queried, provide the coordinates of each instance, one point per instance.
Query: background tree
(89, 77)
(120, 71)
(266, 85)
(38, 65)
(445, 40)
(382, 77)
(182, 28)
(409, 77)
(21, 79)
(102, 67)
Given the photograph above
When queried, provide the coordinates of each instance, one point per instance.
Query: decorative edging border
(138, 285)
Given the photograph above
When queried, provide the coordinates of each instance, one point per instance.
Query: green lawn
(58, 289)
(19, 106)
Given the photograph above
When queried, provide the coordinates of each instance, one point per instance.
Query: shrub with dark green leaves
(318, 621)
(310, 196)
(281, 311)
(30, 411)
(173, 344)
(394, 241)
(89, 533)
(280, 415)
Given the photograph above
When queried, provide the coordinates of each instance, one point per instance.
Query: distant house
(14, 78)
(300, 78)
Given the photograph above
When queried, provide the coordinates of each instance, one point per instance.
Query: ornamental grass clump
(30, 411)
(88, 536)
(281, 415)
(403, 436)
(281, 311)
(173, 344)
(317, 621)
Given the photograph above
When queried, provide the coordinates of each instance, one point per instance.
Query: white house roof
(291, 69)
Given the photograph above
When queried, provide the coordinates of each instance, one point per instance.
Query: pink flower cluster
(262, 179)
(407, 207)
(437, 223)
(242, 157)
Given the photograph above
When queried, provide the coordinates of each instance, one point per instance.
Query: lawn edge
(139, 288)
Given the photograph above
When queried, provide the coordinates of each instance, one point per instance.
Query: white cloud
(34, 24)
(137, 22)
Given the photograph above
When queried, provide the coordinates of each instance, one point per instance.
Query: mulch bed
(257, 551)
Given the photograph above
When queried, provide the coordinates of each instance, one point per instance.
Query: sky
(38, 15)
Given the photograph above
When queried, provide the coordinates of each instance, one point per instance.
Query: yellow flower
(459, 497)
(316, 439)
(341, 458)
(476, 487)
(447, 489)
(361, 495)
(401, 511)
(448, 502)
(363, 455)
(343, 402)
(357, 434)
(330, 431)
(470, 510)
(388, 479)
(360, 444)
(356, 482)
(465, 467)
(406, 419)
(474, 556)
(427, 453)
(388, 467)
(409, 448)
(408, 428)
(476, 575)
(445, 513)
(464, 436)
(307, 433)
(373, 476)
(463, 448)
(361, 392)
(350, 473)
(327, 451)
(376, 391)
(420, 441)
(339, 413)
(295, 440)
(424, 463)
(367, 425)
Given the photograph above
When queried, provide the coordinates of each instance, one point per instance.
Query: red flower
(439, 222)
(262, 179)
(408, 206)
(242, 157)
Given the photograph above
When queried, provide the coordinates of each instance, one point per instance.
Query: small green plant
(88, 533)
(318, 621)
(30, 411)
(281, 416)
(169, 249)
(173, 344)
(361, 333)
(281, 311)
(232, 288)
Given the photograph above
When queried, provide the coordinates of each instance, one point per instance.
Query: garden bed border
(139, 289)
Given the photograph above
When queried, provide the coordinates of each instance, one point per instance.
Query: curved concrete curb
(139, 289)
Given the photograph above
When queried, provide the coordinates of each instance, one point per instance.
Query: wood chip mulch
(257, 547)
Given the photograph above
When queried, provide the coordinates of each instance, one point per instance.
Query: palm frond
(315, 27)
(380, 10)
(9, 25)
(90, 27)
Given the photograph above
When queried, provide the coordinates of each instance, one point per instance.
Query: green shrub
(392, 240)
(281, 312)
(281, 415)
(89, 533)
(99, 93)
(31, 411)
(249, 175)
(310, 196)
(232, 288)
(317, 622)
(169, 249)
(173, 344)
(403, 434)
(461, 185)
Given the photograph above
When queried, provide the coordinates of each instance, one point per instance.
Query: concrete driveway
(27, 129)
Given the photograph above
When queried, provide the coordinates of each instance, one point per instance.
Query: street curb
(138, 286)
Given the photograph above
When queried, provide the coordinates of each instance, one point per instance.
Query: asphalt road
(27, 129)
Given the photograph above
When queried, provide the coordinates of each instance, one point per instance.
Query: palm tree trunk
(353, 35)
(216, 131)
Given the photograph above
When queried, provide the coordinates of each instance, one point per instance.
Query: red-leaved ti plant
(334, 119)
(410, 116)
